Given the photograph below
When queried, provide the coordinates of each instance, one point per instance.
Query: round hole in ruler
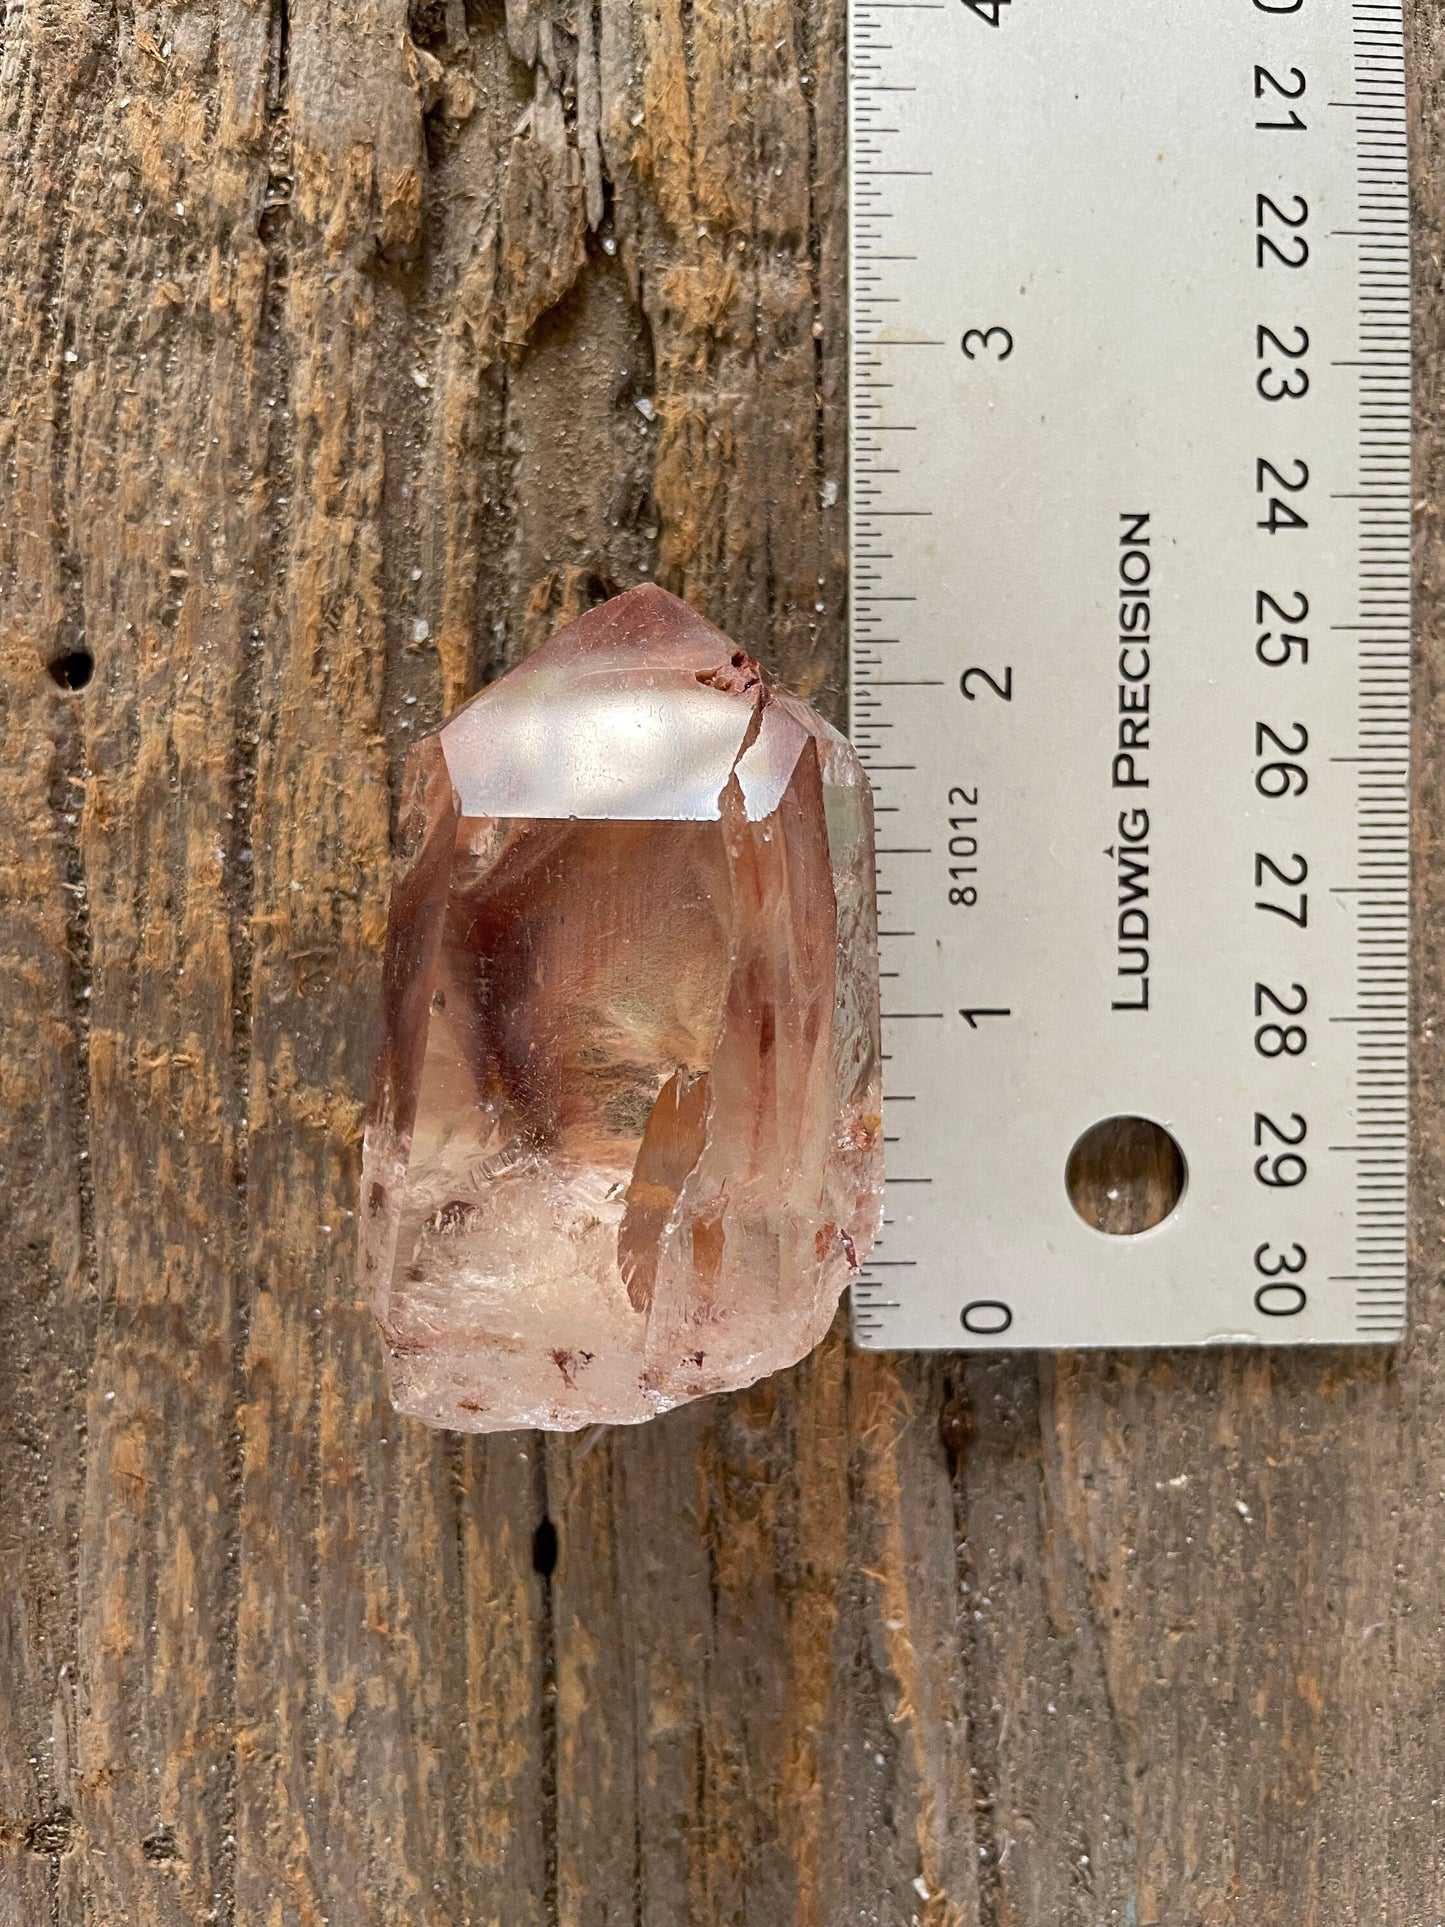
(1125, 1175)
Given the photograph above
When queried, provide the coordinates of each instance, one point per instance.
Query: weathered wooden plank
(667, 1651)
(755, 1643)
(503, 1832)
(154, 332)
(708, 141)
(349, 1680)
(1181, 1581)
(883, 1640)
(43, 958)
(927, 1859)
(593, 1740)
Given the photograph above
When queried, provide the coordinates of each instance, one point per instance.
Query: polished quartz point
(624, 1143)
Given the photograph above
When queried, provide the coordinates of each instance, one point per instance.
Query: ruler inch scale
(1130, 615)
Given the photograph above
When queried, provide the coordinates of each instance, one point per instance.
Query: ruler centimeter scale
(1131, 657)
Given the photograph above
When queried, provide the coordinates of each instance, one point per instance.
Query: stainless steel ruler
(1131, 658)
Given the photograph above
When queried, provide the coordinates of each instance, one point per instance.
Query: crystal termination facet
(624, 1145)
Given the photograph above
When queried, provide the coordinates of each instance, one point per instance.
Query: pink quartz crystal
(624, 1143)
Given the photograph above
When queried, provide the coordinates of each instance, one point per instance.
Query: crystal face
(624, 1145)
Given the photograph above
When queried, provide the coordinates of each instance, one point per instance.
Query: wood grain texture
(346, 349)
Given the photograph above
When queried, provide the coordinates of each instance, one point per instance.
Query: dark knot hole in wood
(1125, 1175)
(544, 1549)
(73, 670)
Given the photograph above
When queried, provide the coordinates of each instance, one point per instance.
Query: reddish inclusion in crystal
(624, 1143)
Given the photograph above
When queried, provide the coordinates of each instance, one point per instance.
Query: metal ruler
(1131, 658)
